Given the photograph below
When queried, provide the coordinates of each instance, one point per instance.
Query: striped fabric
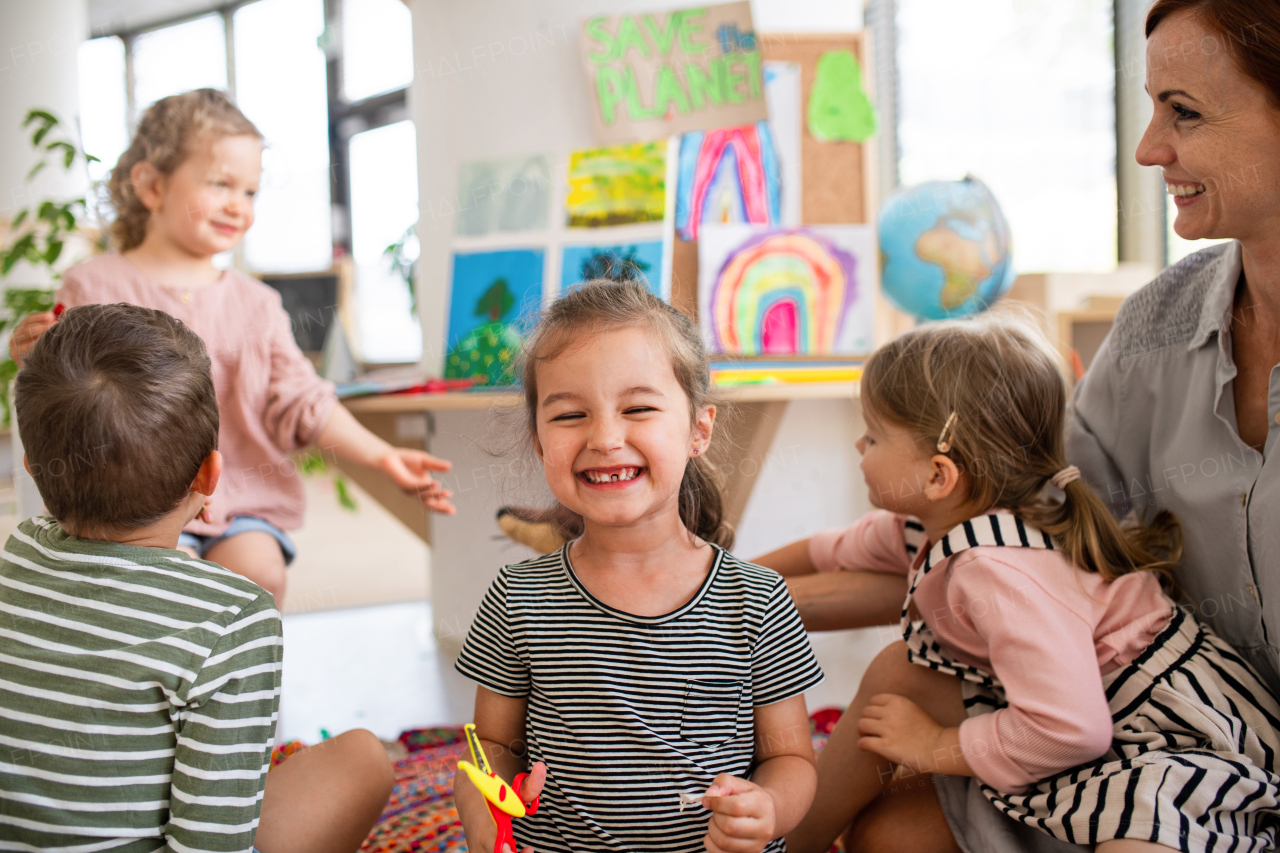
(996, 529)
(629, 711)
(138, 697)
(1193, 758)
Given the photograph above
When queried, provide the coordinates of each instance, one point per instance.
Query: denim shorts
(240, 524)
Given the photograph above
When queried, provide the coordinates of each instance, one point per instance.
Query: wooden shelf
(471, 400)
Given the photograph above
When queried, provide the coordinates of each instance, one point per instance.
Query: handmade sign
(652, 75)
(494, 295)
(787, 291)
(617, 185)
(641, 261)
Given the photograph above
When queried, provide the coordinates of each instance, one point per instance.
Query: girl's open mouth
(616, 476)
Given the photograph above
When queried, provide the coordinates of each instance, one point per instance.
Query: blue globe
(944, 249)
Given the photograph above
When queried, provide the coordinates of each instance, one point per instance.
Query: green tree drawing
(496, 301)
(487, 353)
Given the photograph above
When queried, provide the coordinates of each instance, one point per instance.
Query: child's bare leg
(257, 556)
(850, 779)
(909, 818)
(326, 798)
(1131, 845)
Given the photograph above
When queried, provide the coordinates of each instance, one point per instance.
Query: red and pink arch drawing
(725, 176)
(782, 293)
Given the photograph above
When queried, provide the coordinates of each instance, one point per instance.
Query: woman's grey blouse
(1153, 426)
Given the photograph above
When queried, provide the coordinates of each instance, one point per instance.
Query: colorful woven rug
(421, 816)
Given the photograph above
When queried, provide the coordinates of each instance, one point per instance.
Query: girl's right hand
(477, 822)
(25, 334)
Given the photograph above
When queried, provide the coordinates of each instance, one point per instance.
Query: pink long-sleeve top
(270, 401)
(1046, 629)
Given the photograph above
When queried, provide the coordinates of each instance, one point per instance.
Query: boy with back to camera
(138, 685)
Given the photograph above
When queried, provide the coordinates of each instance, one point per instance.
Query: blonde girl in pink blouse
(183, 192)
(1040, 653)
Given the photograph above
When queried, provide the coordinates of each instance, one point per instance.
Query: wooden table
(744, 433)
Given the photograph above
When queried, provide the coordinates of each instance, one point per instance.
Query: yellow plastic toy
(503, 800)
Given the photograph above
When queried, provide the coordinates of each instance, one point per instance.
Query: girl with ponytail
(641, 667)
(1042, 652)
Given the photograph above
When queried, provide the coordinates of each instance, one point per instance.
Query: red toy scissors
(503, 801)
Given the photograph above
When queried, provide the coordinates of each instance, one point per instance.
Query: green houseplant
(38, 234)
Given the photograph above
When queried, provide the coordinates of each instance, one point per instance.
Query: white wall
(37, 69)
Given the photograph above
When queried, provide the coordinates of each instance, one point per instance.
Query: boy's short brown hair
(117, 411)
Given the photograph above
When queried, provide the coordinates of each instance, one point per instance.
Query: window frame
(346, 117)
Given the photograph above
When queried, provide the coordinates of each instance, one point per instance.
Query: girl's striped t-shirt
(628, 712)
(138, 697)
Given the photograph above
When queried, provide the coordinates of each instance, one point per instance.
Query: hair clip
(945, 437)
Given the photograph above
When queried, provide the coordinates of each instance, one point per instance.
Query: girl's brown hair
(1001, 379)
(604, 306)
(169, 129)
(1248, 29)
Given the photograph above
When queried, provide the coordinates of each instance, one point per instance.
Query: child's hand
(898, 729)
(478, 823)
(410, 470)
(25, 334)
(743, 816)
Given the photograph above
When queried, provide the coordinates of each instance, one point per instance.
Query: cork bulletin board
(836, 177)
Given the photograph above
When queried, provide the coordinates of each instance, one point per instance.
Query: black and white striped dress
(1193, 758)
(630, 711)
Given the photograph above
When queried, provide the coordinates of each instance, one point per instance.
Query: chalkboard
(311, 301)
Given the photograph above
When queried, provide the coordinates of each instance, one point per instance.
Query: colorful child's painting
(504, 195)
(787, 291)
(641, 261)
(617, 185)
(494, 296)
(729, 175)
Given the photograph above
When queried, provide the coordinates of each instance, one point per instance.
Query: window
(321, 79)
(176, 59)
(281, 87)
(377, 47)
(104, 105)
(1021, 95)
(384, 204)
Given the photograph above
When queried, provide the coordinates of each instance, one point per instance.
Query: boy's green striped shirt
(138, 697)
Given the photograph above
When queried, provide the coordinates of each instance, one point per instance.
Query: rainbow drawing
(791, 291)
(725, 176)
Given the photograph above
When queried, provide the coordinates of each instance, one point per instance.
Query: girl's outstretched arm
(748, 814)
(500, 726)
(790, 560)
(833, 601)
(409, 469)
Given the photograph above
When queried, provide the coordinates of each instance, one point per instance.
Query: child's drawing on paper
(728, 175)
(617, 185)
(640, 261)
(493, 295)
(794, 291)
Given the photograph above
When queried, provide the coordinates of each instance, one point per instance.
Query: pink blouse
(1046, 629)
(270, 401)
